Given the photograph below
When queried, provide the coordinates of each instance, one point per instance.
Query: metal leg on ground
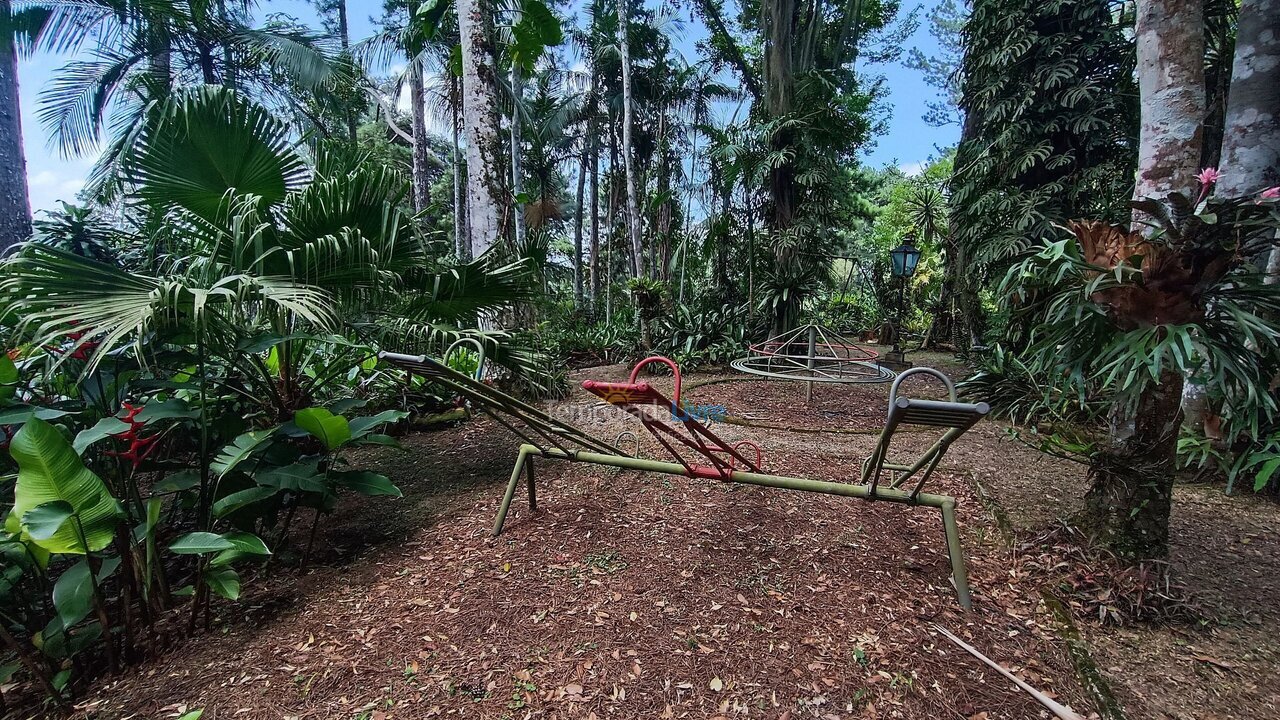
(959, 575)
(533, 493)
(521, 459)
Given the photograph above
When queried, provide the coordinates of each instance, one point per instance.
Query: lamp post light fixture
(904, 259)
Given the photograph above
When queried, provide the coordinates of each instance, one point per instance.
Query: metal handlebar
(479, 346)
(675, 369)
(893, 389)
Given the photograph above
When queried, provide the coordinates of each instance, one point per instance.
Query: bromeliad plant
(1117, 320)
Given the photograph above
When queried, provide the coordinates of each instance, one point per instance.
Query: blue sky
(909, 142)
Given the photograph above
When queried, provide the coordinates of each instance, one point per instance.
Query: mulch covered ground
(641, 596)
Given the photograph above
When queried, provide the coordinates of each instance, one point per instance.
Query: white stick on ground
(1062, 711)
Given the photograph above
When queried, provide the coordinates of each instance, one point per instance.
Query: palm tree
(262, 251)
(633, 208)
(15, 208)
(144, 50)
(480, 121)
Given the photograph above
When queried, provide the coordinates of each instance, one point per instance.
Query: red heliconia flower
(138, 447)
(1271, 193)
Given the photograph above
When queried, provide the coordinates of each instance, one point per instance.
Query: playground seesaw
(697, 452)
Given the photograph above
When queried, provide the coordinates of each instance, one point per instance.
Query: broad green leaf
(193, 715)
(49, 470)
(73, 593)
(362, 426)
(44, 521)
(8, 378)
(247, 543)
(365, 482)
(7, 671)
(104, 428)
(199, 543)
(242, 499)
(332, 430)
(298, 477)
(167, 410)
(181, 480)
(240, 449)
(223, 581)
(19, 414)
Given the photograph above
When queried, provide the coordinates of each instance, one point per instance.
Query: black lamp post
(904, 259)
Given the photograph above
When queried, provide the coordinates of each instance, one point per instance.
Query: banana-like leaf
(332, 430)
(104, 428)
(362, 426)
(8, 377)
(298, 477)
(241, 449)
(50, 470)
(200, 543)
(365, 482)
(242, 499)
(223, 581)
(73, 593)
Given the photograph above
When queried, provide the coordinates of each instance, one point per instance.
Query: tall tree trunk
(633, 205)
(344, 38)
(15, 205)
(577, 228)
(780, 19)
(595, 200)
(517, 182)
(1128, 504)
(461, 238)
(418, 112)
(1171, 84)
(1251, 142)
(480, 120)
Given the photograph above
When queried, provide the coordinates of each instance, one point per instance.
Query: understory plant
(1114, 323)
(172, 400)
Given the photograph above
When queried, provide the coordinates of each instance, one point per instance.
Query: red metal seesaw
(637, 398)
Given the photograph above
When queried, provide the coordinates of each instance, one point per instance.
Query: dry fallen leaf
(717, 684)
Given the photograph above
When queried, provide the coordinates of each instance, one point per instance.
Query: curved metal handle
(893, 389)
(675, 369)
(479, 346)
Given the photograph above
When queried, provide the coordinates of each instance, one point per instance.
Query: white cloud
(914, 168)
(43, 178)
(72, 186)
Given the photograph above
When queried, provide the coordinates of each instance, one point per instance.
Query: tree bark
(1128, 503)
(517, 182)
(595, 199)
(633, 206)
(1127, 506)
(417, 97)
(1171, 82)
(1251, 141)
(480, 120)
(15, 205)
(344, 38)
(577, 228)
(461, 239)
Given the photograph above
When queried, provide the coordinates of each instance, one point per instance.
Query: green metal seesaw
(553, 439)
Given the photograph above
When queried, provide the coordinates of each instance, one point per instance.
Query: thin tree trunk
(344, 37)
(480, 120)
(595, 201)
(577, 228)
(461, 240)
(633, 207)
(15, 205)
(517, 182)
(417, 97)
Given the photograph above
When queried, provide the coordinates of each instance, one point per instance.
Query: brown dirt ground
(638, 596)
